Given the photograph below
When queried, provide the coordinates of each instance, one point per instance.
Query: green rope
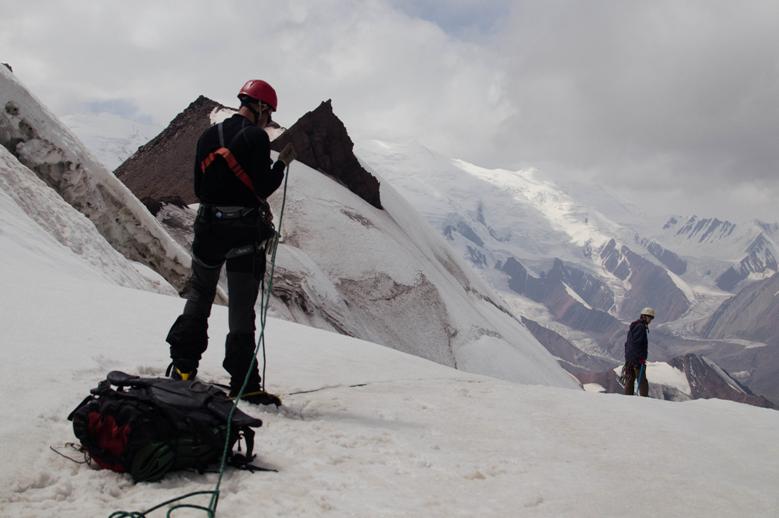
(264, 303)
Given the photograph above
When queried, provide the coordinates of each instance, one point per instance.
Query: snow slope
(388, 277)
(36, 219)
(365, 431)
(521, 214)
(42, 143)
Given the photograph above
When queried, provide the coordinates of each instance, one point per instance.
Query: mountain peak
(164, 165)
(322, 143)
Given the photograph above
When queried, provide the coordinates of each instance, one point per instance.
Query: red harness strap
(232, 163)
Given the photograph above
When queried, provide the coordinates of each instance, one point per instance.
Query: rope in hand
(264, 300)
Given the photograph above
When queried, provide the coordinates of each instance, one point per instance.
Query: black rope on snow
(73, 445)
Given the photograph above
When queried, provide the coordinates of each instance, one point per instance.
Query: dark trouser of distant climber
(632, 370)
(222, 236)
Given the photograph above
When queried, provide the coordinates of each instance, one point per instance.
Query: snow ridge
(30, 132)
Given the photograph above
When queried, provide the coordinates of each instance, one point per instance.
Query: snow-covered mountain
(365, 430)
(583, 298)
(730, 253)
(500, 217)
(109, 137)
(752, 314)
(357, 259)
(557, 259)
(44, 145)
(727, 253)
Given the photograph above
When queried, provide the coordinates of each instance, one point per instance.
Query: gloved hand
(288, 154)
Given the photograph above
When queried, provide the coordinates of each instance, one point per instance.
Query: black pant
(632, 370)
(234, 241)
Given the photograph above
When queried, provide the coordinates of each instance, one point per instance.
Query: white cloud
(681, 93)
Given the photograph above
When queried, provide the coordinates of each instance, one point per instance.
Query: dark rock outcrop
(669, 259)
(551, 291)
(465, 230)
(6, 65)
(650, 285)
(596, 293)
(759, 258)
(706, 229)
(165, 165)
(753, 314)
(754, 366)
(566, 353)
(614, 261)
(709, 380)
(322, 143)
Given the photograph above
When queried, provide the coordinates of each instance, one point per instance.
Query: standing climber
(636, 349)
(234, 175)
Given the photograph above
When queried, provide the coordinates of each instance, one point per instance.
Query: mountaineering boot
(239, 353)
(257, 397)
(179, 372)
(188, 338)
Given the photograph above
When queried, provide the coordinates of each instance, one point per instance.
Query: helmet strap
(250, 104)
(256, 113)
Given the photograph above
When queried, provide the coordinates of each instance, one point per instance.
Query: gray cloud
(675, 100)
(674, 103)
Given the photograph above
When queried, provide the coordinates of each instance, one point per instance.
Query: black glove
(288, 154)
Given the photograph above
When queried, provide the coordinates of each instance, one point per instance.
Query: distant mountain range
(536, 243)
(574, 276)
(748, 250)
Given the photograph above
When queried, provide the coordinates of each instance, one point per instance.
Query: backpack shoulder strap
(230, 160)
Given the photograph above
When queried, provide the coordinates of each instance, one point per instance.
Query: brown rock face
(708, 381)
(164, 166)
(322, 143)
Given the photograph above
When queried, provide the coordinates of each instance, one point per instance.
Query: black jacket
(219, 184)
(637, 343)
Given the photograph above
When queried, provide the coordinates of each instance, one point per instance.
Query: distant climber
(636, 349)
(233, 176)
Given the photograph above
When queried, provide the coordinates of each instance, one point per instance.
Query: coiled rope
(210, 511)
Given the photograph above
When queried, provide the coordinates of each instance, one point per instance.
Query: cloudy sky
(674, 103)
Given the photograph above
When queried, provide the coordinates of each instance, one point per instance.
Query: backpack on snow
(149, 426)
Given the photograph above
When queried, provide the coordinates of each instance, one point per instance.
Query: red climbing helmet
(261, 91)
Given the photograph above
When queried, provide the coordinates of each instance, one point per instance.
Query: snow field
(366, 430)
(412, 439)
